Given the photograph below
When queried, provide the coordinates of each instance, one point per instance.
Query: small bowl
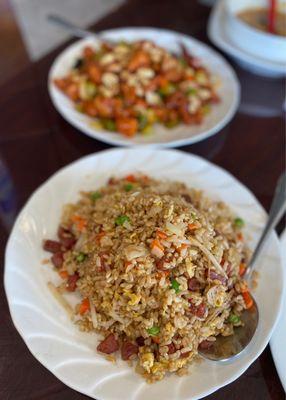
(256, 42)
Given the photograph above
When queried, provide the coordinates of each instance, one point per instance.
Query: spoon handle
(69, 26)
(277, 209)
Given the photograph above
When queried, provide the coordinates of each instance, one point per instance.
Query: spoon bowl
(227, 347)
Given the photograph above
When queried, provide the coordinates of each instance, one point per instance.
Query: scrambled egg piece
(147, 361)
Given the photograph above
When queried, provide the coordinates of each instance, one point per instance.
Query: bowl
(256, 42)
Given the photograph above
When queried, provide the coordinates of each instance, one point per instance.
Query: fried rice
(159, 268)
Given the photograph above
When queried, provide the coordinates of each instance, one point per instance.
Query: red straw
(271, 16)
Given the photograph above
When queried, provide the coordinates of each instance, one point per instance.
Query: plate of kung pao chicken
(144, 86)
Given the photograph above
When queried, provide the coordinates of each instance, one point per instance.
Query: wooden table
(35, 142)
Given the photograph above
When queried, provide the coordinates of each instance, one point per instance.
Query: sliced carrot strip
(79, 222)
(161, 235)
(130, 178)
(242, 269)
(84, 306)
(157, 244)
(247, 300)
(192, 226)
(63, 274)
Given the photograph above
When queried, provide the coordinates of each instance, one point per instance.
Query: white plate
(218, 35)
(44, 325)
(277, 342)
(229, 90)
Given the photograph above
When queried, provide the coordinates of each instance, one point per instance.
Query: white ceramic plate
(277, 342)
(218, 35)
(229, 90)
(44, 325)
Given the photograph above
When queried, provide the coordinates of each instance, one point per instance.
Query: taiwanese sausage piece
(172, 348)
(58, 259)
(140, 341)
(199, 311)
(193, 284)
(71, 283)
(52, 246)
(214, 276)
(205, 344)
(66, 237)
(128, 349)
(109, 345)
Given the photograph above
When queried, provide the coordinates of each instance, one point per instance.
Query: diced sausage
(66, 237)
(160, 264)
(193, 284)
(205, 345)
(140, 341)
(71, 283)
(172, 348)
(108, 345)
(128, 349)
(185, 355)
(58, 259)
(68, 242)
(52, 246)
(199, 311)
(214, 276)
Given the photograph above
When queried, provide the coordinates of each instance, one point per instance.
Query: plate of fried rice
(126, 263)
(141, 86)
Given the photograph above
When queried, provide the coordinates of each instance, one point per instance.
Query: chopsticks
(271, 16)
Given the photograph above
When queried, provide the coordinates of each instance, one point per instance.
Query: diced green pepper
(142, 122)
(171, 124)
(154, 331)
(234, 319)
(81, 257)
(167, 90)
(175, 285)
(109, 124)
(121, 219)
(95, 196)
(192, 91)
(128, 187)
(239, 222)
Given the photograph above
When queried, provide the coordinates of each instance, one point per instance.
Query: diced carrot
(247, 299)
(242, 269)
(239, 236)
(163, 81)
(94, 73)
(192, 226)
(156, 243)
(63, 274)
(130, 178)
(127, 126)
(157, 249)
(80, 222)
(99, 236)
(84, 306)
(72, 91)
(139, 59)
(161, 235)
(182, 247)
(156, 339)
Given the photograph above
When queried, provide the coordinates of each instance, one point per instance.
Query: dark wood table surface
(35, 142)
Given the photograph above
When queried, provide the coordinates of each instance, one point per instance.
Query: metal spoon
(227, 347)
(70, 27)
